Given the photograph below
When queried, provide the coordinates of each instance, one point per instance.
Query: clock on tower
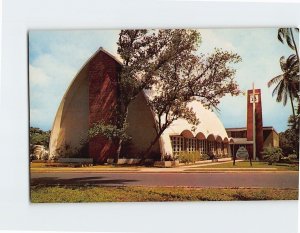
(254, 121)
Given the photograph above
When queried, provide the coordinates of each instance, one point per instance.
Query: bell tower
(254, 122)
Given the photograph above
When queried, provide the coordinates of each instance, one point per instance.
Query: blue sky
(56, 56)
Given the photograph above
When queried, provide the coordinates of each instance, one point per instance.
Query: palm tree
(286, 34)
(287, 82)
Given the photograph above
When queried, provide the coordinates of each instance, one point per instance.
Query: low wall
(125, 161)
(75, 160)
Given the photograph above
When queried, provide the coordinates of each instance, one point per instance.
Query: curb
(168, 172)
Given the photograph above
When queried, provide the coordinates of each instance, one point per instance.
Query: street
(205, 180)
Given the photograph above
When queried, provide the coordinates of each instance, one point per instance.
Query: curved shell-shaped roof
(74, 111)
(210, 127)
(73, 117)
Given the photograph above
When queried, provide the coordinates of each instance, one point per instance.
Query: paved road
(244, 179)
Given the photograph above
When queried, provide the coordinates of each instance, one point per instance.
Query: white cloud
(37, 77)
(210, 41)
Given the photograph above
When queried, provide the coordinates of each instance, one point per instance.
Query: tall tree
(202, 78)
(287, 83)
(144, 53)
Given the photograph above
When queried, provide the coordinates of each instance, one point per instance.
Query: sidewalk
(180, 168)
(198, 167)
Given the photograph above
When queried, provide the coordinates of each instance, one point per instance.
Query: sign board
(256, 98)
(242, 153)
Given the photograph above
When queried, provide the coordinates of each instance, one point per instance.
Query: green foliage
(39, 137)
(204, 157)
(189, 157)
(109, 131)
(205, 79)
(272, 154)
(289, 142)
(58, 194)
(287, 83)
(292, 157)
(164, 61)
(286, 35)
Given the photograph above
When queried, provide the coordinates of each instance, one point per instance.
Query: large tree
(164, 62)
(144, 53)
(38, 137)
(205, 78)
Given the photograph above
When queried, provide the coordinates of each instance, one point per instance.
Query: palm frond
(281, 93)
(283, 63)
(291, 61)
(275, 91)
(275, 80)
(290, 42)
(280, 34)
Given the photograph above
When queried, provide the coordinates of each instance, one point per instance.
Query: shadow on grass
(80, 181)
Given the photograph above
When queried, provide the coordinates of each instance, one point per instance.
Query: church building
(91, 98)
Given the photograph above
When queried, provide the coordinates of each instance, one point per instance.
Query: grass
(246, 164)
(58, 194)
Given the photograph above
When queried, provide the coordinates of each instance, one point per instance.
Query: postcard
(164, 115)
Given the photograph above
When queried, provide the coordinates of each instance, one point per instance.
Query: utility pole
(254, 123)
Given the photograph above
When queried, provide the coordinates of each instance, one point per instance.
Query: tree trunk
(294, 115)
(120, 141)
(118, 152)
(296, 49)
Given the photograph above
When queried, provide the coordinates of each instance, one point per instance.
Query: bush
(292, 157)
(204, 157)
(272, 155)
(32, 157)
(189, 157)
(168, 157)
(45, 155)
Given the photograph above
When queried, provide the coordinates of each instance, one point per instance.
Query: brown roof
(244, 128)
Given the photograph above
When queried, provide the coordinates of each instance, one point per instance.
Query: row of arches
(188, 142)
(202, 136)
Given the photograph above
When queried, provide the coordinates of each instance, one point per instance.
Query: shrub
(272, 155)
(189, 157)
(45, 155)
(292, 157)
(32, 157)
(168, 157)
(204, 157)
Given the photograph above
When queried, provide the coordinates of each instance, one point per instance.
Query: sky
(55, 57)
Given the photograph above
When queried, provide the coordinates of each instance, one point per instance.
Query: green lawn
(246, 164)
(139, 194)
(43, 167)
